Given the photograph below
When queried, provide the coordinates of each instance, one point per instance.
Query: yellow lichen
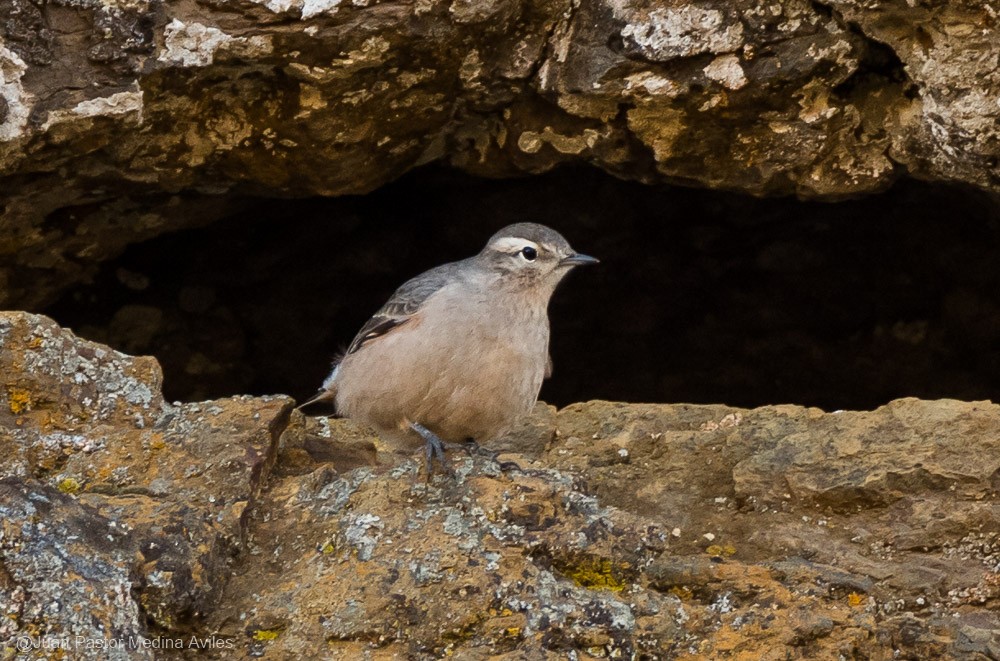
(328, 548)
(68, 485)
(598, 574)
(20, 400)
(717, 550)
(855, 599)
(265, 634)
(681, 592)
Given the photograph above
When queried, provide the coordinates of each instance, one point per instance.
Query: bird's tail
(324, 395)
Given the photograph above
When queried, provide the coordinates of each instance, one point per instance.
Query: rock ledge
(645, 531)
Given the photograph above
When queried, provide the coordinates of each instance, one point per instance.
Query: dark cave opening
(702, 296)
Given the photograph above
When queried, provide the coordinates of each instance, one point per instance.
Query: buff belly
(473, 388)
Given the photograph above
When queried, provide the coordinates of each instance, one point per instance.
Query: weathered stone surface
(888, 518)
(115, 115)
(486, 564)
(65, 574)
(629, 531)
(171, 482)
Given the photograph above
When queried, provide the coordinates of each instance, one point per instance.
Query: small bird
(459, 352)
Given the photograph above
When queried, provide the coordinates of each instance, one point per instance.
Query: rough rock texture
(118, 509)
(628, 531)
(117, 117)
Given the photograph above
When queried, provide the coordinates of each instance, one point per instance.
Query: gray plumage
(460, 351)
(404, 302)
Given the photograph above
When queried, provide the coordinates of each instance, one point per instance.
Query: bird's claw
(433, 448)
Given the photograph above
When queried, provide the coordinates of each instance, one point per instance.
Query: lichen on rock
(610, 530)
(81, 420)
(112, 114)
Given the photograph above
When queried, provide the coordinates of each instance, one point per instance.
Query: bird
(458, 354)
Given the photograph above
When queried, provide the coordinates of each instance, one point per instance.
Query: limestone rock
(612, 530)
(118, 119)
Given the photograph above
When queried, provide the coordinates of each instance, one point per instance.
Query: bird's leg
(434, 447)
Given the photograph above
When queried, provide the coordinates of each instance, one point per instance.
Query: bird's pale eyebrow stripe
(512, 244)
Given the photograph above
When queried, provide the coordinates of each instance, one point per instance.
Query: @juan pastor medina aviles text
(29, 643)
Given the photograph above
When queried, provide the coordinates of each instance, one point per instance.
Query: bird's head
(531, 255)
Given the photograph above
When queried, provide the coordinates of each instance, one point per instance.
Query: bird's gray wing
(403, 304)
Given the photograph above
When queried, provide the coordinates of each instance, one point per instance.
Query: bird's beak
(578, 260)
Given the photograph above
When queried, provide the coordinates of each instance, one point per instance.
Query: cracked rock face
(611, 530)
(117, 118)
(90, 446)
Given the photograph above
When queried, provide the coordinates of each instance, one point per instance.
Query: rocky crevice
(701, 296)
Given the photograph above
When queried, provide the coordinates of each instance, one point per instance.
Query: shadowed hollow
(701, 296)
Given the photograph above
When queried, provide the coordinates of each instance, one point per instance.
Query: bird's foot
(434, 448)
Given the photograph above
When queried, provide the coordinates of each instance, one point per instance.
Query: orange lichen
(19, 400)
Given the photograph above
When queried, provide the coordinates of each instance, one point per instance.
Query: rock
(485, 564)
(614, 531)
(119, 119)
(65, 572)
(889, 513)
(175, 481)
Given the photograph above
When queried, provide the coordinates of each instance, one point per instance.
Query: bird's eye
(529, 253)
